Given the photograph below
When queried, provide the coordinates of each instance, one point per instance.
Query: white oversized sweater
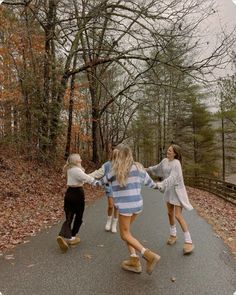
(171, 171)
(77, 177)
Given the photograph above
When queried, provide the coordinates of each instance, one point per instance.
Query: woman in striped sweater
(126, 178)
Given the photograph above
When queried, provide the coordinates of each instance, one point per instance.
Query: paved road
(39, 268)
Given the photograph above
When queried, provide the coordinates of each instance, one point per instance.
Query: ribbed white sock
(173, 231)
(143, 250)
(187, 237)
(133, 255)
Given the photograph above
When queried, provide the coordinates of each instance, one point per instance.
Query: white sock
(173, 230)
(143, 250)
(187, 237)
(133, 255)
(109, 217)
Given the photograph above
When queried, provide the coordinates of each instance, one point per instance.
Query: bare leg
(109, 213)
(171, 213)
(180, 218)
(115, 214)
(125, 234)
(109, 206)
(188, 245)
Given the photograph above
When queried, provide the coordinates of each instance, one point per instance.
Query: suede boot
(188, 248)
(62, 244)
(171, 240)
(74, 241)
(132, 264)
(152, 259)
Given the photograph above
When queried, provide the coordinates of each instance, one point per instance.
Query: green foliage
(174, 112)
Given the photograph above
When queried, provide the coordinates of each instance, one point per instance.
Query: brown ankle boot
(152, 259)
(73, 242)
(132, 264)
(62, 244)
(171, 240)
(188, 248)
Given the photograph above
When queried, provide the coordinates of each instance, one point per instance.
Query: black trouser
(74, 210)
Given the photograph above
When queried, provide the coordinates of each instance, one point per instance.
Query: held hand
(159, 186)
(95, 183)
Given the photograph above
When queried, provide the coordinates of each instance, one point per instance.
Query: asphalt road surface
(93, 267)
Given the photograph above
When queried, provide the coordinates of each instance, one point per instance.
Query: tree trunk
(71, 105)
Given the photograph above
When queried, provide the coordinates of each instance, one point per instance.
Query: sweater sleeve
(174, 178)
(156, 170)
(147, 181)
(99, 173)
(81, 176)
(103, 180)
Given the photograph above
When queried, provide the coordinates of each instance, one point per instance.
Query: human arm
(174, 179)
(102, 181)
(99, 173)
(147, 181)
(156, 170)
(80, 176)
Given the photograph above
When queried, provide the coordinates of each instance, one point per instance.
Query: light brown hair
(177, 151)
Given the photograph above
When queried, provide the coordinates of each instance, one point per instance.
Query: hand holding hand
(159, 186)
(95, 183)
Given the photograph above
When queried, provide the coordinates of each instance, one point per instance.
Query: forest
(78, 76)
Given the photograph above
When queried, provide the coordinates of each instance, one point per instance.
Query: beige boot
(188, 248)
(74, 241)
(171, 240)
(62, 244)
(152, 259)
(133, 264)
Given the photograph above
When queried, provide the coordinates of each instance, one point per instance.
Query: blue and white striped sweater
(128, 199)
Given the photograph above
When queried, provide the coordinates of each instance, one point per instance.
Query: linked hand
(159, 186)
(95, 183)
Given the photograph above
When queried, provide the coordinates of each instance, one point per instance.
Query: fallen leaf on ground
(88, 256)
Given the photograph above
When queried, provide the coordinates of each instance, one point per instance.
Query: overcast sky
(227, 11)
(223, 19)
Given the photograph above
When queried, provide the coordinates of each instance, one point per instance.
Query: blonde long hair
(72, 161)
(122, 163)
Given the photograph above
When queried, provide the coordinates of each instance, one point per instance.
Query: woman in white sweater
(74, 201)
(175, 194)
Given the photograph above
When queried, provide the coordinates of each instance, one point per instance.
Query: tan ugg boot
(171, 240)
(152, 259)
(62, 244)
(74, 241)
(132, 264)
(188, 248)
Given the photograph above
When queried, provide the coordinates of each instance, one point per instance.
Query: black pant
(74, 210)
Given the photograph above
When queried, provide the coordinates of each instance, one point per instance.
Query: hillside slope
(31, 199)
